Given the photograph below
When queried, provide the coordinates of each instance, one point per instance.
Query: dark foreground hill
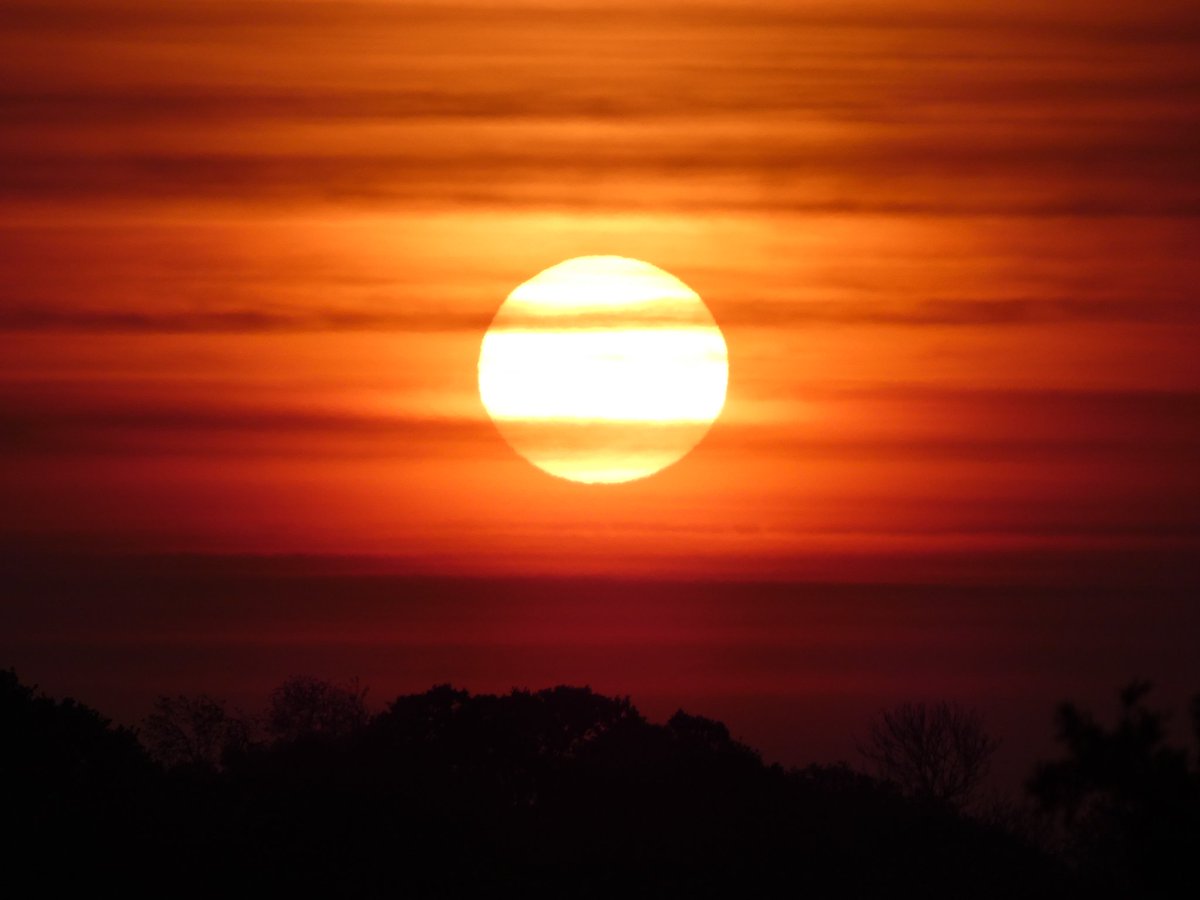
(560, 793)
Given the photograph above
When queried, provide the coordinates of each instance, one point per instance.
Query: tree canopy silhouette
(307, 707)
(1129, 803)
(74, 789)
(193, 731)
(447, 793)
(938, 753)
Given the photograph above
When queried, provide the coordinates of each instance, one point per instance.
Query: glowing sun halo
(603, 369)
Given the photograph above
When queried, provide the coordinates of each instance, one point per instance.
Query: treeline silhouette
(560, 792)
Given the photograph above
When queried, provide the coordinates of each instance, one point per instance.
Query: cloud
(966, 312)
(67, 421)
(947, 172)
(233, 321)
(1027, 425)
(734, 314)
(1161, 19)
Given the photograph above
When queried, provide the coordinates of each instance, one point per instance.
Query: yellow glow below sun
(603, 369)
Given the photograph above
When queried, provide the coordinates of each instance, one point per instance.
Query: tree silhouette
(75, 791)
(447, 794)
(1126, 800)
(304, 707)
(938, 753)
(193, 731)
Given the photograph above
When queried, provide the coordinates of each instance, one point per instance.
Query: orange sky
(248, 251)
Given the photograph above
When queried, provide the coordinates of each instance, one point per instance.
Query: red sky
(248, 251)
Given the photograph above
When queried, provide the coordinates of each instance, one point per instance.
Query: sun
(603, 369)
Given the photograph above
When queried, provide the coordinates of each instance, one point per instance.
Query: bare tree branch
(939, 753)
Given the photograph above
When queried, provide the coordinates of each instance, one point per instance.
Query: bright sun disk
(603, 369)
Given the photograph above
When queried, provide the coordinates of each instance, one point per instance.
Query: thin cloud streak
(1091, 179)
(915, 313)
(1017, 423)
(244, 321)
